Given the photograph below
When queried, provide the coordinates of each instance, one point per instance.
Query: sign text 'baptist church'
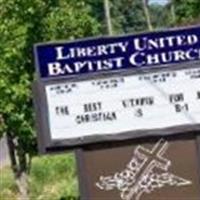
(117, 53)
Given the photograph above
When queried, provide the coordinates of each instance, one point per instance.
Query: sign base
(141, 169)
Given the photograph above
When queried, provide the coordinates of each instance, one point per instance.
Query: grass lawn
(51, 178)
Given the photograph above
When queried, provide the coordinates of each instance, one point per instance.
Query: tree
(173, 13)
(97, 12)
(147, 15)
(108, 17)
(160, 17)
(181, 13)
(187, 11)
(23, 23)
(128, 16)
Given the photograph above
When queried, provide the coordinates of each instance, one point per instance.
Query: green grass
(51, 177)
(8, 188)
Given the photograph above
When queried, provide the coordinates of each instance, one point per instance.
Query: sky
(161, 2)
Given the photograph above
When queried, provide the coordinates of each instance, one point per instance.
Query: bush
(51, 177)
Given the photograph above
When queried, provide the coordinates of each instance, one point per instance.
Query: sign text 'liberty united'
(117, 53)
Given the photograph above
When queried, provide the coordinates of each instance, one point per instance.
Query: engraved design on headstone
(147, 171)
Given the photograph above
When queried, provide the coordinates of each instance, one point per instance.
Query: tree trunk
(108, 17)
(147, 15)
(11, 149)
(22, 184)
(19, 168)
(173, 14)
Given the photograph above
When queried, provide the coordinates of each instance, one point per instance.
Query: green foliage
(51, 177)
(70, 20)
(23, 23)
(8, 188)
(175, 13)
(97, 11)
(16, 68)
(187, 10)
(160, 16)
(128, 16)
